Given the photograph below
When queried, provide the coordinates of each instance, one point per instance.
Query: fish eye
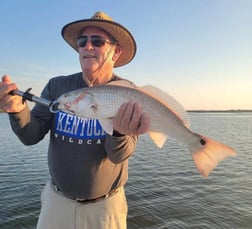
(93, 107)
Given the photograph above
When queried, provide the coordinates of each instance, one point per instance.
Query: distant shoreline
(219, 111)
(207, 111)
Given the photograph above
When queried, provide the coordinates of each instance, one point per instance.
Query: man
(88, 167)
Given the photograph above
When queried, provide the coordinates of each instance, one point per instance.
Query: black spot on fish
(202, 142)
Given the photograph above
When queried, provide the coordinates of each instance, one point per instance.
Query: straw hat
(124, 38)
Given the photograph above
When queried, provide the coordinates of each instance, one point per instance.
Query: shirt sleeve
(120, 148)
(31, 126)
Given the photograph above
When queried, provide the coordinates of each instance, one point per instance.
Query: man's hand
(9, 103)
(130, 120)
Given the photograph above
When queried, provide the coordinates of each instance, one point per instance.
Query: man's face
(92, 57)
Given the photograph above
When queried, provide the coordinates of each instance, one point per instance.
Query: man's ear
(117, 53)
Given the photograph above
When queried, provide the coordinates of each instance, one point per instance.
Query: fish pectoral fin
(107, 125)
(158, 138)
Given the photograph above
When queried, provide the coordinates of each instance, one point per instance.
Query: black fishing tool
(53, 106)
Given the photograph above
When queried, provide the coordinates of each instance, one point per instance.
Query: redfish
(167, 118)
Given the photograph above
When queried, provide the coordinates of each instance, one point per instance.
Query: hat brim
(72, 31)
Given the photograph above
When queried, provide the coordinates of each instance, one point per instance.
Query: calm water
(164, 189)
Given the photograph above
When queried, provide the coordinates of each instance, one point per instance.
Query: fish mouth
(69, 111)
(66, 109)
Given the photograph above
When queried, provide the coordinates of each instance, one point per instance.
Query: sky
(198, 51)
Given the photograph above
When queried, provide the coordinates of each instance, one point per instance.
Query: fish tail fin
(209, 153)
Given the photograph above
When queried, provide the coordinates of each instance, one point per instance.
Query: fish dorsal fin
(122, 83)
(158, 138)
(160, 95)
(168, 101)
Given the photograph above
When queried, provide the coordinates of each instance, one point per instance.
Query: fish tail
(209, 153)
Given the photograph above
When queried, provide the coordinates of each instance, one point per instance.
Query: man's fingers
(144, 124)
(135, 117)
(131, 120)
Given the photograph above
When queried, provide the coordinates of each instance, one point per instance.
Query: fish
(168, 118)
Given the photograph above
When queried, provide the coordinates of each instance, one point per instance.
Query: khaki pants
(59, 212)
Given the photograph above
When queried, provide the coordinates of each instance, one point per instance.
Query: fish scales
(109, 98)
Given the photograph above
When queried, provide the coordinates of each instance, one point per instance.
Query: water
(164, 188)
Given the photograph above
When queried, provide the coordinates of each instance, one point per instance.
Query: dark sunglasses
(96, 41)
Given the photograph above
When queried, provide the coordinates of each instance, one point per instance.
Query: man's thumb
(6, 79)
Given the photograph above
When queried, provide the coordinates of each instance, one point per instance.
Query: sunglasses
(96, 41)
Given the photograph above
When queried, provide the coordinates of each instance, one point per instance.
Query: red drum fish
(167, 118)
